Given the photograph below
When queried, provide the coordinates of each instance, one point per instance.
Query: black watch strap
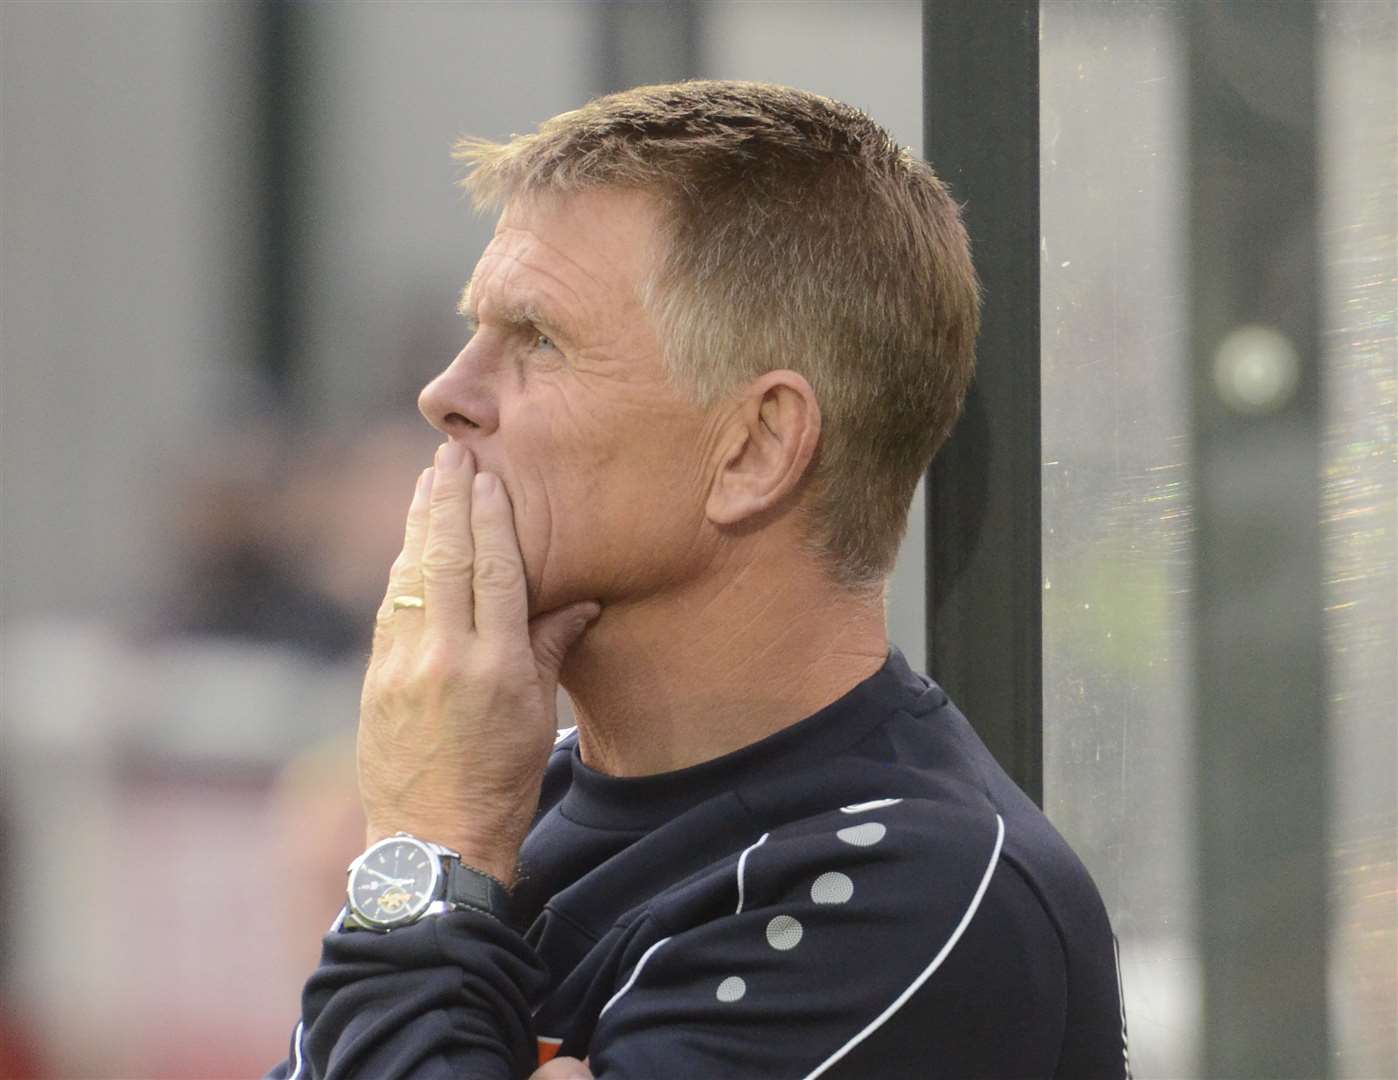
(477, 890)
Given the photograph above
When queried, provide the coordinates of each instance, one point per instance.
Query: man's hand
(563, 1068)
(458, 712)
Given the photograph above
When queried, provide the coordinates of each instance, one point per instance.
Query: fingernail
(449, 454)
(485, 483)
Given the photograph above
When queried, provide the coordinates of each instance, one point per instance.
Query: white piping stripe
(634, 972)
(872, 804)
(879, 1020)
(296, 1045)
(1121, 1000)
(742, 861)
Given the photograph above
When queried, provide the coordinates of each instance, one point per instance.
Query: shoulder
(840, 922)
(897, 881)
(901, 865)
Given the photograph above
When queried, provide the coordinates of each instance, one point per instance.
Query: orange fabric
(548, 1049)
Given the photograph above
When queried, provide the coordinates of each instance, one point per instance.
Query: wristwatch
(403, 879)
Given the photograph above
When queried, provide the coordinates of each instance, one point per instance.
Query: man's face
(561, 393)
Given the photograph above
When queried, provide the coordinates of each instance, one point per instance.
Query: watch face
(393, 881)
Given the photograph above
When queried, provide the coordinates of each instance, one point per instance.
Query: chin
(540, 600)
(558, 592)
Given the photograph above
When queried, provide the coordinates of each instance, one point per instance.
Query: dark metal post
(642, 42)
(280, 34)
(984, 581)
(1258, 425)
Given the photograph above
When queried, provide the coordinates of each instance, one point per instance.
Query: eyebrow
(514, 313)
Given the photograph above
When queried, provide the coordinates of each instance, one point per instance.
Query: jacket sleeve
(449, 997)
(861, 948)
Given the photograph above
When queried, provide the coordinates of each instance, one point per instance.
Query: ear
(766, 447)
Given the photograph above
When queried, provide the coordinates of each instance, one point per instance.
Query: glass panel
(1116, 511)
(1116, 542)
(1359, 220)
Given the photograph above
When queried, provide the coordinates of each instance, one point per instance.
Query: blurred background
(230, 246)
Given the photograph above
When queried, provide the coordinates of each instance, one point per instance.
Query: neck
(681, 678)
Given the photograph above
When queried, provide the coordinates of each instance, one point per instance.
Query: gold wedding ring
(406, 602)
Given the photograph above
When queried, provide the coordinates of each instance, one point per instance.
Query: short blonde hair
(798, 235)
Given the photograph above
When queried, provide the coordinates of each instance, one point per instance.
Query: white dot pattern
(871, 832)
(832, 887)
(784, 933)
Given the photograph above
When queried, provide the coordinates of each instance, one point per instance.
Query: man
(718, 335)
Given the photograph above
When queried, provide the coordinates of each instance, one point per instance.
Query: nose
(461, 399)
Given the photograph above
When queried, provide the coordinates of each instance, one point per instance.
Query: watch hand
(402, 882)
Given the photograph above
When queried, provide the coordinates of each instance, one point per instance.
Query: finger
(405, 576)
(448, 552)
(552, 635)
(563, 1068)
(502, 606)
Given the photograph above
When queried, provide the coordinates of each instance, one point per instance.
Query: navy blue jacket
(863, 894)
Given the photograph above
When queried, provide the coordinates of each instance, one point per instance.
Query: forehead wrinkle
(610, 277)
(519, 305)
(521, 250)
